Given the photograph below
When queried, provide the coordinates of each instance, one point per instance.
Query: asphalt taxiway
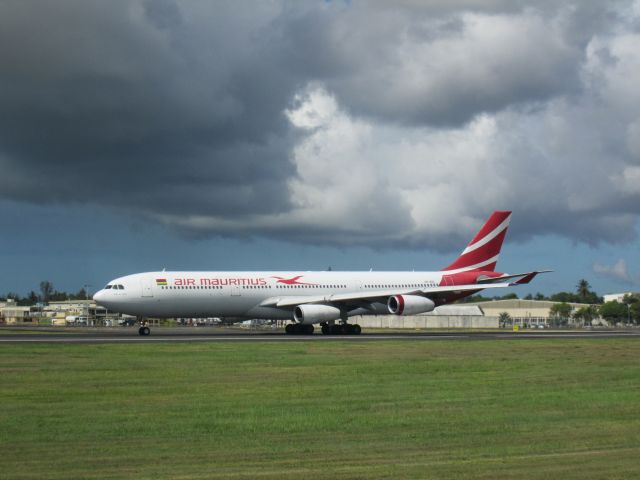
(115, 335)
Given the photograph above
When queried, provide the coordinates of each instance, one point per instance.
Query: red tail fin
(482, 252)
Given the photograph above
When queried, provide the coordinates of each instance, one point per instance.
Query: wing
(378, 295)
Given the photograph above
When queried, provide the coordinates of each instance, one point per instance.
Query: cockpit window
(120, 287)
(108, 287)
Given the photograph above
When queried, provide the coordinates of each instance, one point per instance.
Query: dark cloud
(343, 123)
(132, 106)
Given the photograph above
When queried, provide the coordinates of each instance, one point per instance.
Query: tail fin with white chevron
(483, 251)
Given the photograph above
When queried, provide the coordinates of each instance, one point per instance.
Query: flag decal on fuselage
(161, 281)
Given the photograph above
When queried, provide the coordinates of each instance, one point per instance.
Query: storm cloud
(334, 123)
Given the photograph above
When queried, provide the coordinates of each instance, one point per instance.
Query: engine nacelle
(314, 313)
(409, 304)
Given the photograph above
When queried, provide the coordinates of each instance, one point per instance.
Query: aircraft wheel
(336, 329)
(289, 329)
(355, 329)
(144, 331)
(326, 330)
(307, 329)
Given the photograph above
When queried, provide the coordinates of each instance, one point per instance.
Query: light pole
(86, 297)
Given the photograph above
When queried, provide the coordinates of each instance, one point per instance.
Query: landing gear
(341, 329)
(299, 329)
(143, 330)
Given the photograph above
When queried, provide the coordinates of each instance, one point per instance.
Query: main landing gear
(298, 329)
(327, 329)
(341, 329)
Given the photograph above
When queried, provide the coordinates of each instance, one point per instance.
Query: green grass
(443, 409)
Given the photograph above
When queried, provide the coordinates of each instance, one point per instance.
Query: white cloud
(361, 180)
(313, 109)
(633, 138)
(618, 271)
(446, 70)
(430, 184)
(629, 180)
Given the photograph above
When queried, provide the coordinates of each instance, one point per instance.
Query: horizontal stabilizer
(529, 276)
(524, 278)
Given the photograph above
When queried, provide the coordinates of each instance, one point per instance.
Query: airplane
(327, 298)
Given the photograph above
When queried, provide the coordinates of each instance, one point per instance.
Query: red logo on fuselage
(292, 281)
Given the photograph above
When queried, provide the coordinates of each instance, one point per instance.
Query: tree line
(627, 311)
(47, 293)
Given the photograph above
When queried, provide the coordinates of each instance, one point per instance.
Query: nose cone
(98, 296)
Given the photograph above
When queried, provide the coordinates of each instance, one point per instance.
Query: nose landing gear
(143, 330)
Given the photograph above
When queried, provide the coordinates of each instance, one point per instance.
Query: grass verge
(459, 409)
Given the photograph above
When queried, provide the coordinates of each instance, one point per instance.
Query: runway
(164, 335)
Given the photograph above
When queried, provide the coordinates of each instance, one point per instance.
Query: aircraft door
(147, 287)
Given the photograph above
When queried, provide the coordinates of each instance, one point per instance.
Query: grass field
(445, 409)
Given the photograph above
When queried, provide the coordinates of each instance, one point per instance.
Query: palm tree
(583, 289)
(46, 288)
(504, 318)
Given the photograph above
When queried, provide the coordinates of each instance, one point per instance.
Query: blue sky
(137, 135)
(73, 247)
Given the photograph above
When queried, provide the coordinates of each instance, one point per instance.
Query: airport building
(617, 297)
(529, 313)
(446, 316)
(62, 313)
(524, 313)
(13, 314)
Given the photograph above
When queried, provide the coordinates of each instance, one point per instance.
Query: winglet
(528, 277)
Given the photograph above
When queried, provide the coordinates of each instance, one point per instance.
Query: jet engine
(313, 313)
(409, 304)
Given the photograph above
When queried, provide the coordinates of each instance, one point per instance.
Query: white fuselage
(251, 294)
(310, 298)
